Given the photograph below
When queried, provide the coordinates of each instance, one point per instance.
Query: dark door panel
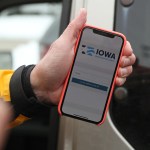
(130, 108)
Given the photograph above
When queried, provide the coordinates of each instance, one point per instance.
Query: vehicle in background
(22, 33)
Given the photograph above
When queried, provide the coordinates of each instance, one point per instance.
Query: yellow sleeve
(5, 76)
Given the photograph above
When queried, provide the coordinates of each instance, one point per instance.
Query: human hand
(125, 69)
(5, 116)
(48, 76)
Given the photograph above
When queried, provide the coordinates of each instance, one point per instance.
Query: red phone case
(113, 84)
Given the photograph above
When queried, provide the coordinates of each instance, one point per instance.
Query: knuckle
(134, 58)
(130, 69)
(119, 72)
(123, 61)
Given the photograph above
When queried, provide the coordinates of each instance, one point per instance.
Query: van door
(130, 108)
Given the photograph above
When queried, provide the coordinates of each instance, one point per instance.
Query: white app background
(92, 75)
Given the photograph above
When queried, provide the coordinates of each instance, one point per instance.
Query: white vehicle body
(21, 34)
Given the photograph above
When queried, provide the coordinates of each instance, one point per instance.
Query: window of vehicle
(28, 30)
(26, 33)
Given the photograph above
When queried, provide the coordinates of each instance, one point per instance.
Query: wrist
(37, 87)
(23, 102)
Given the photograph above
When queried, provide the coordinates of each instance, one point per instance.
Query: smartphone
(89, 85)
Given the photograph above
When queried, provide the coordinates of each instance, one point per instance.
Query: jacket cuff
(20, 99)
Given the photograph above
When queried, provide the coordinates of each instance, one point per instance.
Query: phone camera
(126, 3)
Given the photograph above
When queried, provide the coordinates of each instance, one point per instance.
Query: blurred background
(26, 31)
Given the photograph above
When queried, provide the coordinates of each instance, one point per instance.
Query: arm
(22, 106)
(5, 76)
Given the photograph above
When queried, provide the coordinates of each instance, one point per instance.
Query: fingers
(124, 72)
(4, 120)
(4, 113)
(120, 81)
(127, 60)
(128, 49)
(128, 57)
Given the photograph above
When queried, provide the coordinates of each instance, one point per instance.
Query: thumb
(71, 32)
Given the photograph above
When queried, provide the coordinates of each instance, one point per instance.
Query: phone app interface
(92, 75)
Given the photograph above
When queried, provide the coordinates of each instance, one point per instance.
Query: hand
(5, 116)
(48, 76)
(127, 60)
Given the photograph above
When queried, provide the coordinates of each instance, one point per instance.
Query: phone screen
(92, 75)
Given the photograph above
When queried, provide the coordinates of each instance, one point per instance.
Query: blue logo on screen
(99, 53)
(89, 50)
